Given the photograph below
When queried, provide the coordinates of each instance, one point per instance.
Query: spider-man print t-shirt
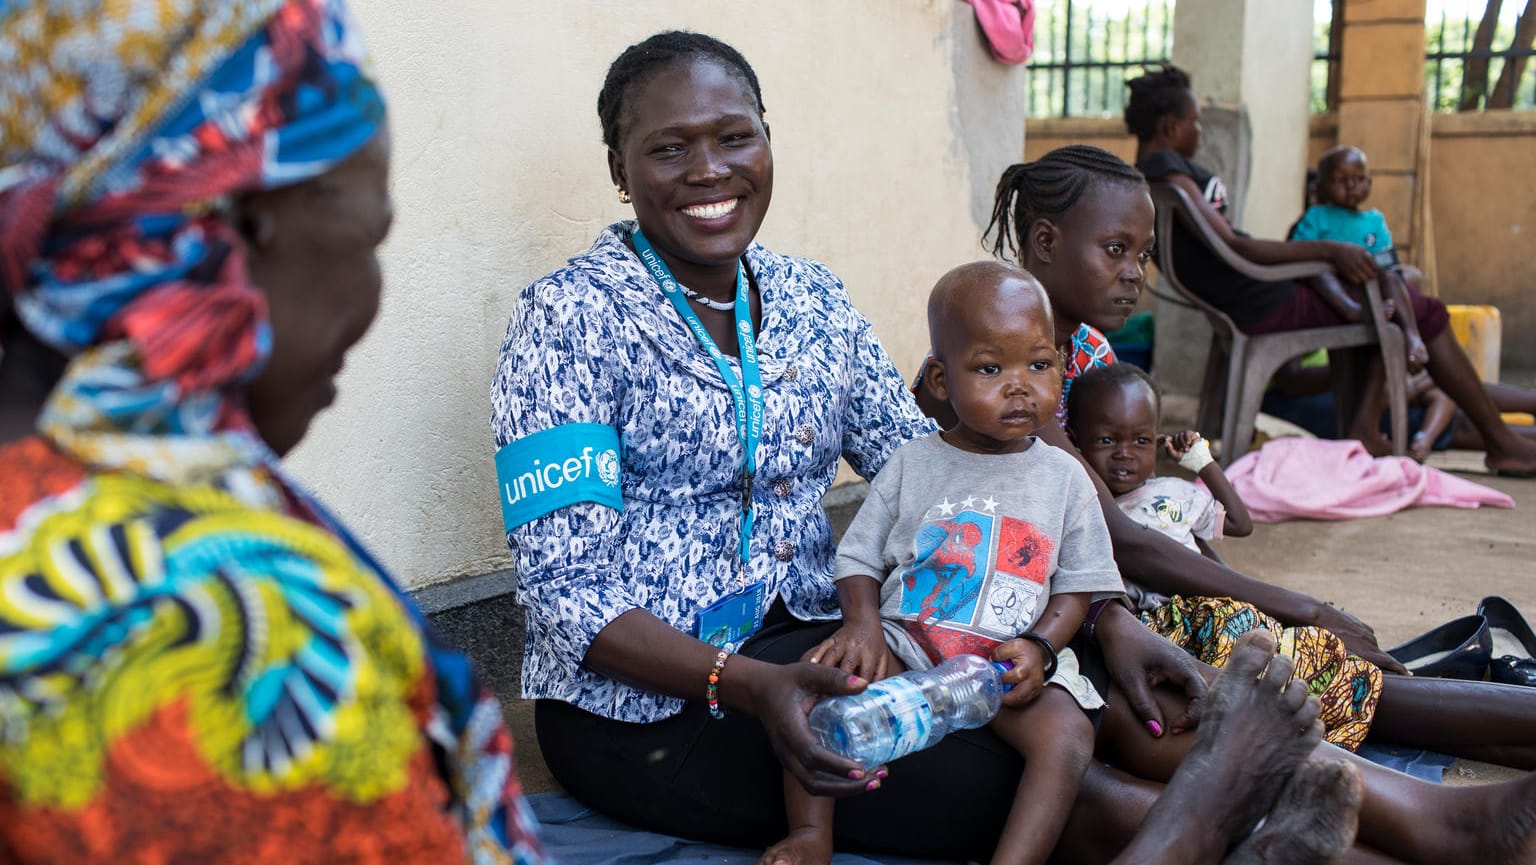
(969, 547)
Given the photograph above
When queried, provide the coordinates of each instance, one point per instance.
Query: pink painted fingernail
(854, 681)
(855, 773)
(872, 785)
(881, 774)
(1177, 730)
(1156, 728)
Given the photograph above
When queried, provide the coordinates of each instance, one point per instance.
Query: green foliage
(1110, 42)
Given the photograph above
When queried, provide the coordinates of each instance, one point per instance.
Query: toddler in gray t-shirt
(980, 540)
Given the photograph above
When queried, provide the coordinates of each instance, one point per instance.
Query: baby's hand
(857, 647)
(1179, 444)
(1028, 674)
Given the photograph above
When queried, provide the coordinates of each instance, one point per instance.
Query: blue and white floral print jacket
(596, 342)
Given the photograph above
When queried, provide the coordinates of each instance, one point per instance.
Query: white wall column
(1254, 57)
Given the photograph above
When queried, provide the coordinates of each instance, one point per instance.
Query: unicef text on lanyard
(731, 619)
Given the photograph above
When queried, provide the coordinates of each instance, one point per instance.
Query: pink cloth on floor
(1321, 479)
(1009, 26)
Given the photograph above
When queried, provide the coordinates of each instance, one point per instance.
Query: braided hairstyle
(643, 60)
(1048, 188)
(1088, 386)
(1155, 95)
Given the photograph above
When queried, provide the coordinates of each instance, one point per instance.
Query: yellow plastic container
(1481, 335)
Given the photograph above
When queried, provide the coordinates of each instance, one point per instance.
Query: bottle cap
(1002, 667)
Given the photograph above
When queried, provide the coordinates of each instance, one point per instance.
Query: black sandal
(1512, 637)
(1458, 649)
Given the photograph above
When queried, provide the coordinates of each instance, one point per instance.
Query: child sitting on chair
(1112, 415)
(983, 540)
(1343, 185)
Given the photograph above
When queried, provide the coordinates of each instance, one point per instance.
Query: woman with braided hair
(1081, 220)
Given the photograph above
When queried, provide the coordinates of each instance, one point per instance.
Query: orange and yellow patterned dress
(213, 674)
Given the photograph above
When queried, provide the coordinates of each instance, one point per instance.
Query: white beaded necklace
(694, 296)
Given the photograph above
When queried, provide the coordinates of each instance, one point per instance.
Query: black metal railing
(1480, 62)
(1085, 51)
(1327, 34)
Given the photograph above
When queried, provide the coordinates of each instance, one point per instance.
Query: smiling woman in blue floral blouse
(669, 606)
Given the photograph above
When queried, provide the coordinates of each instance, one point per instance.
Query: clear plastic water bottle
(911, 711)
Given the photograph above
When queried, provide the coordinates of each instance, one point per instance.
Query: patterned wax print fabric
(125, 130)
(1367, 228)
(1177, 508)
(1089, 349)
(197, 663)
(597, 342)
(968, 547)
(1347, 686)
(218, 673)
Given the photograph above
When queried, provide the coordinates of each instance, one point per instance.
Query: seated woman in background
(1164, 115)
(198, 663)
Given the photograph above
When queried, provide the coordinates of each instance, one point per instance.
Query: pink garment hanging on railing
(1009, 26)
(1319, 479)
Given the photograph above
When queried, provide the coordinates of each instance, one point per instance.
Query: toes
(1293, 696)
(1310, 713)
(1249, 656)
(1279, 672)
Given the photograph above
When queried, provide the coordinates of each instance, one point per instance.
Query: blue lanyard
(746, 391)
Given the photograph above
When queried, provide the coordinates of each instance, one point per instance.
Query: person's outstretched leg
(1256, 729)
(1449, 367)
(1480, 720)
(1392, 286)
(1439, 410)
(1508, 397)
(1314, 822)
(1420, 822)
(1365, 427)
(1401, 816)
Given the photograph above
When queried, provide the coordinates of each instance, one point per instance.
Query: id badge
(735, 617)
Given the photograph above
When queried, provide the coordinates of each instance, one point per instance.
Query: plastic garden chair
(1240, 365)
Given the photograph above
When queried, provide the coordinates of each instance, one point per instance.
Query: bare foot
(1419, 446)
(1376, 444)
(1256, 728)
(1517, 458)
(1313, 823)
(807, 845)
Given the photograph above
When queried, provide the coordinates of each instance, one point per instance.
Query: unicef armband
(543, 472)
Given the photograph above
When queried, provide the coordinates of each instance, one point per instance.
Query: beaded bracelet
(712, 693)
(1050, 652)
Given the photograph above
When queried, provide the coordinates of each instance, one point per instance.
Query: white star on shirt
(968, 502)
(946, 509)
(989, 504)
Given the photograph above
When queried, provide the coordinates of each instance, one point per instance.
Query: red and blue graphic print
(976, 579)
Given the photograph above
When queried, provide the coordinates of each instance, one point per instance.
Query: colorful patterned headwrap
(126, 126)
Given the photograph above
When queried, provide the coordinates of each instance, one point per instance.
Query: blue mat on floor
(1424, 765)
(577, 835)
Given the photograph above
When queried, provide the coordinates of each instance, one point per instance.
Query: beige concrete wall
(1484, 219)
(889, 128)
(1043, 135)
(1254, 58)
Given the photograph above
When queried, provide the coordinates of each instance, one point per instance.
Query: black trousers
(719, 780)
